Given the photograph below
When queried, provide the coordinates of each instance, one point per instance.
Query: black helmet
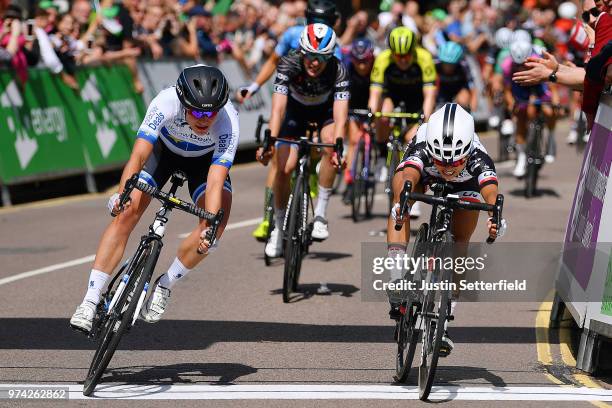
(321, 11)
(202, 87)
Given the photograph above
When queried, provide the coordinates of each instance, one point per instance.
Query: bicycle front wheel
(293, 242)
(435, 310)
(393, 162)
(121, 316)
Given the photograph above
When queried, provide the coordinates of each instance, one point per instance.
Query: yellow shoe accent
(261, 232)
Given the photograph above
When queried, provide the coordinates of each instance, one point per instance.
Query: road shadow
(540, 192)
(187, 373)
(308, 290)
(327, 256)
(55, 334)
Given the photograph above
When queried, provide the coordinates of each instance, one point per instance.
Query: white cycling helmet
(520, 50)
(567, 10)
(521, 35)
(318, 39)
(503, 37)
(450, 133)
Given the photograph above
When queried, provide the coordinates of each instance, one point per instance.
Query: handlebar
(367, 114)
(450, 201)
(338, 146)
(172, 202)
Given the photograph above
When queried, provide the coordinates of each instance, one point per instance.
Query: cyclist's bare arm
(489, 194)
(340, 113)
(429, 100)
(264, 74)
(140, 153)
(473, 99)
(408, 174)
(217, 175)
(279, 105)
(374, 101)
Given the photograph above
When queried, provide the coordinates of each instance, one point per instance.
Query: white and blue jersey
(290, 40)
(165, 120)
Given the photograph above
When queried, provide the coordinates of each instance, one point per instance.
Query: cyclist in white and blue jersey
(191, 127)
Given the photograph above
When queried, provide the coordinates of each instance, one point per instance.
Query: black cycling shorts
(297, 117)
(163, 162)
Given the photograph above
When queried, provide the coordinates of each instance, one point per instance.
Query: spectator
(68, 49)
(12, 42)
(148, 33)
(52, 11)
(206, 47)
(81, 12)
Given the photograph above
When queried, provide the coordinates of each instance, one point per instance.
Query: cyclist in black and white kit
(445, 148)
(310, 86)
(191, 127)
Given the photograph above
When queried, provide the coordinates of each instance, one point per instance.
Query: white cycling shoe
(319, 229)
(153, 310)
(521, 165)
(274, 247)
(83, 316)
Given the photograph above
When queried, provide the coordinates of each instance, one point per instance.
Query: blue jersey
(290, 40)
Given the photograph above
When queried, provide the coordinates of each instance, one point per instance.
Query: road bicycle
(534, 151)
(426, 313)
(399, 121)
(363, 168)
(120, 306)
(298, 223)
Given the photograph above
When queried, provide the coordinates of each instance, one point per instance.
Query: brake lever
(124, 197)
(404, 200)
(266, 143)
(339, 148)
(497, 214)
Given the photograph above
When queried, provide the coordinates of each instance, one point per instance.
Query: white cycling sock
(393, 252)
(97, 282)
(176, 272)
(321, 209)
(279, 218)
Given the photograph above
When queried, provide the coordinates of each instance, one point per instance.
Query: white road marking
(90, 258)
(330, 392)
(47, 269)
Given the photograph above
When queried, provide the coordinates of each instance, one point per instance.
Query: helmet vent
(198, 85)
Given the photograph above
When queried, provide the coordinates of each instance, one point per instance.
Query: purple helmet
(362, 49)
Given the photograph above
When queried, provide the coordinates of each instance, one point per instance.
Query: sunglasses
(452, 164)
(402, 56)
(586, 15)
(201, 114)
(317, 57)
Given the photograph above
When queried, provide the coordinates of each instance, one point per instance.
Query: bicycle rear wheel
(504, 146)
(359, 184)
(293, 242)
(435, 310)
(533, 159)
(370, 180)
(121, 316)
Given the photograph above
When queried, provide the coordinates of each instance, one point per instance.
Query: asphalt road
(227, 334)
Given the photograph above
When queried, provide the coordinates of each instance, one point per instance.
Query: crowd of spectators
(62, 34)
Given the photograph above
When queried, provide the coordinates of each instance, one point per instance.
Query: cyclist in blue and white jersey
(191, 127)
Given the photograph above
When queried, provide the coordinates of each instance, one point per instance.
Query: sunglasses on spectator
(586, 15)
(317, 57)
(452, 164)
(198, 114)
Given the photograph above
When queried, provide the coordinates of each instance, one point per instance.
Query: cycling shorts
(163, 162)
(297, 117)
